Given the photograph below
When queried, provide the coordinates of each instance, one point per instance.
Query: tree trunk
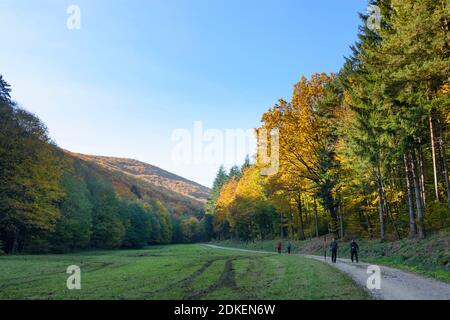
(381, 214)
(281, 226)
(380, 204)
(412, 223)
(444, 161)
(291, 229)
(433, 153)
(388, 211)
(341, 221)
(316, 218)
(306, 209)
(15, 245)
(394, 224)
(422, 177)
(419, 204)
(369, 228)
(300, 215)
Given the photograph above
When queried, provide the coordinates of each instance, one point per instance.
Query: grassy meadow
(173, 272)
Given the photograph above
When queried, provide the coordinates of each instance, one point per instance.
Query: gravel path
(394, 285)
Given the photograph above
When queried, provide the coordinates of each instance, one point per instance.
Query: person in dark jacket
(334, 249)
(354, 250)
(289, 247)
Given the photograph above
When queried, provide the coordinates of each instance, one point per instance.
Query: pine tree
(5, 91)
(219, 181)
(235, 172)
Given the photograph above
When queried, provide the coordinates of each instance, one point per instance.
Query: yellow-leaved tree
(307, 143)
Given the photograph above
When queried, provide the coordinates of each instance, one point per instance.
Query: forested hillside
(55, 201)
(134, 179)
(364, 152)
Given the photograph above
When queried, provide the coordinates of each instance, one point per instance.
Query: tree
(5, 91)
(177, 232)
(246, 163)
(208, 227)
(73, 228)
(108, 230)
(163, 220)
(252, 215)
(224, 209)
(137, 223)
(235, 172)
(307, 141)
(419, 63)
(243, 209)
(190, 229)
(219, 181)
(29, 175)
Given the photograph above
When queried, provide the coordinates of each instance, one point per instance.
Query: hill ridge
(148, 177)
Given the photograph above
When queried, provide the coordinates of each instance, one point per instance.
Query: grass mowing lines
(172, 272)
(219, 275)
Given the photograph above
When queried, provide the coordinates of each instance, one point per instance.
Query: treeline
(363, 152)
(51, 202)
(240, 206)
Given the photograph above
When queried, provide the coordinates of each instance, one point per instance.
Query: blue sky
(138, 70)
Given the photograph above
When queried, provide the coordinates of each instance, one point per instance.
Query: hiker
(279, 246)
(289, 247)
(334, 248)
(354, 250)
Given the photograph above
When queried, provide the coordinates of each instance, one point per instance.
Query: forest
(51, 202)
(363, 152)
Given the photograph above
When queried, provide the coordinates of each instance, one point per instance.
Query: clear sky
(138, 70)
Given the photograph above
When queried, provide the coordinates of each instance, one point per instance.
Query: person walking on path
(334, 248)
(354, 250)
(289, 247)
(279, 246)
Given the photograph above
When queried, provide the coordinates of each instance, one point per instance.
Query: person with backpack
(334, 249)
(354, 250)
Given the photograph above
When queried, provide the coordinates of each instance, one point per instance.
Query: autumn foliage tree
(307, 141)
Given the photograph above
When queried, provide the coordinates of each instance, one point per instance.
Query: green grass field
(174, 272)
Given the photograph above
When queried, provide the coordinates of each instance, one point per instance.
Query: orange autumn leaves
(304, 135)
(302, 131)
(239, 200)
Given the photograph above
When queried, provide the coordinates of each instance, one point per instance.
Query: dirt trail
(395, 284)
(227, 280)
